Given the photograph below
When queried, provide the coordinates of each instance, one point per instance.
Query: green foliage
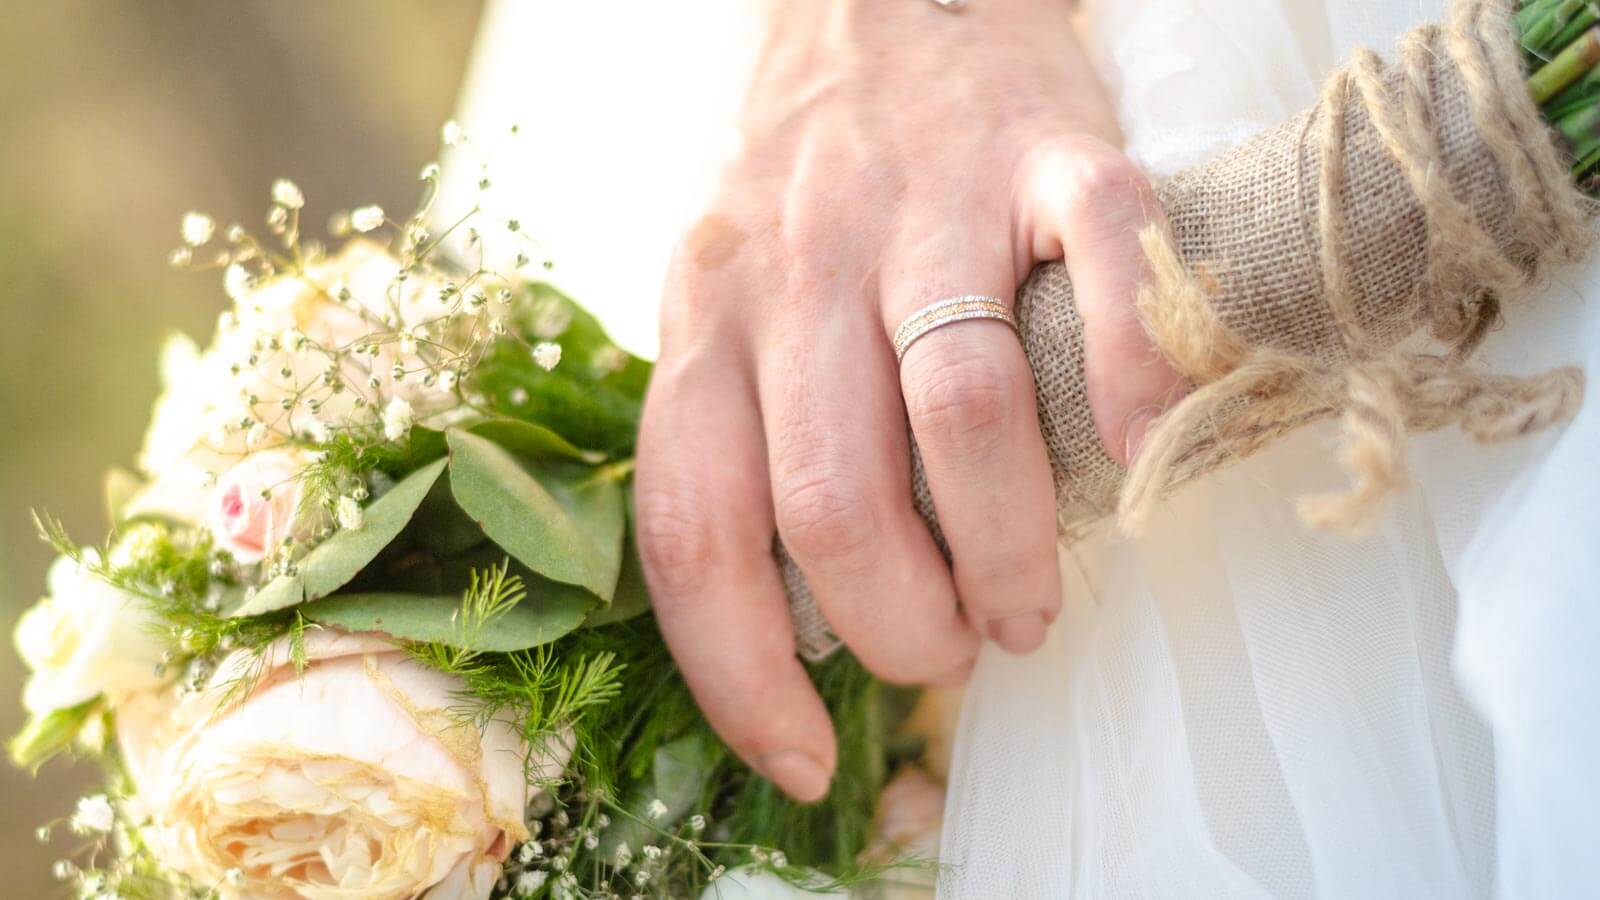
(530, 441)
(47, 735)
(564, 521)
(593, 398)
(334, 562)
(537, 690)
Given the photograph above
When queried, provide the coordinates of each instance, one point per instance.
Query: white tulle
(1230, 706)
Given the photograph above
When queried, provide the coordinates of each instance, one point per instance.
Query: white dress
(1230, 706)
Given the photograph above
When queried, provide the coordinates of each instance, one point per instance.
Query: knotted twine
(1344, 263)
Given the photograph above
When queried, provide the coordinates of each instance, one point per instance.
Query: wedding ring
(944, 312)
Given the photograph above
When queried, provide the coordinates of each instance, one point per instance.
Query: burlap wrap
(1415, 196)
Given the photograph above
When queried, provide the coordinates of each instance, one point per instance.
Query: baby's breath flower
(180, 257)
(697, 822)
(451, 133)
(366, 218)
(197, 228)
(236, 282)
(339, 223)
(278, 219)
(529, 883)
(408, 343)
(235, 877)
(351, 518)
(430, 172)
(94, 815)
(397, 419)
(546, 354)
(287, 194)
(657, 810)
(317, 431)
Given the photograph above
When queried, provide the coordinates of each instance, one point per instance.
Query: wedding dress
(1230, 705)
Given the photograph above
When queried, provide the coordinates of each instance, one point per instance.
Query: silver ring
(944, 312)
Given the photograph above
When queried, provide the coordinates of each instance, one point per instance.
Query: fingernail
(1133, 434)
(800, 776)
(1021, 633)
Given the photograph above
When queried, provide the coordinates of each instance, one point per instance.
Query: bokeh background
(116, 118)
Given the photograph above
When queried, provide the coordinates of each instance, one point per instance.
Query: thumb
(1082, 201)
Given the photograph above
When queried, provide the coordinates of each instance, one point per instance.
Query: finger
(1089, 203)
(705, 537)
(841, 478)
(969, 394)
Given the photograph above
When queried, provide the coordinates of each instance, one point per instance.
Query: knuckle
(1107, 184)
(677, 542)
(824, 514)
(961, 401)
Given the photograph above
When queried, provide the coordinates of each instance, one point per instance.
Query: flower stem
(1570, 65)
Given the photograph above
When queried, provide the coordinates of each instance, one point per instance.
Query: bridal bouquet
(369, 622)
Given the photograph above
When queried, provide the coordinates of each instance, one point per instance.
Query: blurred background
(118, 118)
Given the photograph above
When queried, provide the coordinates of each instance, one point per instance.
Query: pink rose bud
(255, 505)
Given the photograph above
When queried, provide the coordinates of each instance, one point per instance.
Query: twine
(1246, 396)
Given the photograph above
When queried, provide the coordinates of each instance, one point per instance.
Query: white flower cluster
(366, 343)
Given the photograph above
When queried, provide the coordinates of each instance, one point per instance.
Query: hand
(895, 155)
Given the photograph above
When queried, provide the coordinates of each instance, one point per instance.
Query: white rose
(199, 423)
(353, 779)
(87, 639)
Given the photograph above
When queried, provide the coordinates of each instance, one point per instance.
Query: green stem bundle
(1561, 43)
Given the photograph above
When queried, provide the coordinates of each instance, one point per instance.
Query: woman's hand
(896, 154)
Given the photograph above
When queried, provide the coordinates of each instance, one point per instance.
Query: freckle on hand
(713, 241)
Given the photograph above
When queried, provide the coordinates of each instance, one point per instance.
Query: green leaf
(332, 563)
(679, 773)
(532, 441)
(423, 446)
(593, 397)
(45, 736)
(564, 522)
(632, 598)
(549, 612)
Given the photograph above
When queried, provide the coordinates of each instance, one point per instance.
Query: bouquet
(369, 622)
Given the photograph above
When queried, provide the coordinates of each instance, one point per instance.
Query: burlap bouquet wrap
(1342, 263)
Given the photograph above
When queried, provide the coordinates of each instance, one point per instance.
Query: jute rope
(1381, 393)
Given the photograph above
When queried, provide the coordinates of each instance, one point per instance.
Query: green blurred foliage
(117, 118)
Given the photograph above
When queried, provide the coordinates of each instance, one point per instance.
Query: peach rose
(352, 779)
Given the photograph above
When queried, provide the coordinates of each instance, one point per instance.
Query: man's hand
(896, 155)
